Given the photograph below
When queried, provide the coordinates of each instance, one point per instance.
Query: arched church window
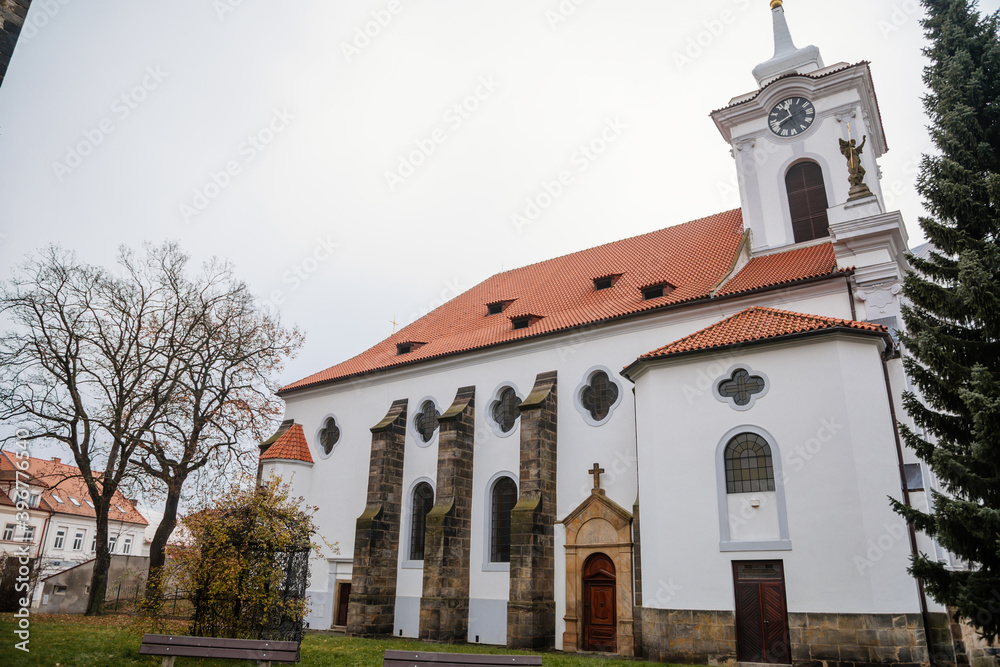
(423, 501)
(505, 409)
(502, 501)
(749, 466)
(599, 396)
(807, 201)
(329, 436)
(425, 423)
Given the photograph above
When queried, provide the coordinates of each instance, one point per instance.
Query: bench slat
(220, 642)
(230, 653)
(428, 659)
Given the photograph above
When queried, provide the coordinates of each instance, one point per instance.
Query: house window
(423, 501)
(60, 540)
(505, 409)
(502, 500)
(425, 422)
(8, 532)
(78, 540)
(127, 545)
(749, 467)
(914, 477)
(497, 307)
(74, 501)
(89, 503)
(605, 282)
(520, 323)
(329, 436)
(112, 543)
(93, 543)
(599, 396)
(58, 499)
(34, 499)
(29, 534)
(807, 202)
(59, 590)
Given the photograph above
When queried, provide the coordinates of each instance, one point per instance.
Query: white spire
(787, 58)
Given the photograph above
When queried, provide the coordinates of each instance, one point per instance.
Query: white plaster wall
(339, 482)
(828, 413)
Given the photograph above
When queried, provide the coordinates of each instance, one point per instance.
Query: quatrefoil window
(599, 396)
(329, 436)
(505, 409)
(425, 423)
(741, 387)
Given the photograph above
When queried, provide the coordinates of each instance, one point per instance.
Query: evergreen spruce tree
(953, 320)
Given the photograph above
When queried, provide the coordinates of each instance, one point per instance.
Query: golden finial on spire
(775, 4)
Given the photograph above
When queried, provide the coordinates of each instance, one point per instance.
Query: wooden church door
(343, 600)
(761, 614)
(600, 620)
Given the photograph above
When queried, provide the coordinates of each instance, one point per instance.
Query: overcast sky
(356, 179)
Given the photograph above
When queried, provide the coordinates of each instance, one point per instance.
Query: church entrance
(761, 613)
(600, 622)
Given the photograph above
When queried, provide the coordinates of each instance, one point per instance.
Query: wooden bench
(428, 659)
(173, 646)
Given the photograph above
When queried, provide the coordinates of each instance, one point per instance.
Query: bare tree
(103, 363)
(224, 403)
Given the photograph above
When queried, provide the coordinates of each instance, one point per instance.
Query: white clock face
(791, 117)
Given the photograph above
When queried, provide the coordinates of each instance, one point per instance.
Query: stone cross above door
(596, 471)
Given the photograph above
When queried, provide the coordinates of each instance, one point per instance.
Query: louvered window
(807, 201)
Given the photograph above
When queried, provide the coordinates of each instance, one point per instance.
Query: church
(677, 446)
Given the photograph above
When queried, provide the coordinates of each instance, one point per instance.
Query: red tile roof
(759, 324)
(781, 268)
(290, 446)
(694, 257)
(62, 480)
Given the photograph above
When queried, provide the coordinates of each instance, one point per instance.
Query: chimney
(56, 459)
(134, 501)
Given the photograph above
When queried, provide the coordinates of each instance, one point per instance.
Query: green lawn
(113, 641)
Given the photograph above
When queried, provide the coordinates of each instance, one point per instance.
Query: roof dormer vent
(656, 291)
(606, 282)
(407, 347)
(497, 307)
(523, 321)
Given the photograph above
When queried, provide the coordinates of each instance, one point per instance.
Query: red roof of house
(290, 446)
(559, 294)
(62, 482)
(758, 324)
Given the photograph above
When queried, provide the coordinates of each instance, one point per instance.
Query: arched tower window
(503, 498)
(423, 501)
(807, 201)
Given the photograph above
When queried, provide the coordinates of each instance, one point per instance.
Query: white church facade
(677, 446)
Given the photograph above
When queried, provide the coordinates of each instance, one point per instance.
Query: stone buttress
(531, 612)
(372, 606)
(444, 606)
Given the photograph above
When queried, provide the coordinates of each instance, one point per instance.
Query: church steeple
(787, 58)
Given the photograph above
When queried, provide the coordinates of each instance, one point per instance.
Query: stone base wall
(685, 636)
(817, 640)
(971, 649)
(849, 640)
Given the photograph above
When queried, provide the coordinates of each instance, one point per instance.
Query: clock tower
(806, 144)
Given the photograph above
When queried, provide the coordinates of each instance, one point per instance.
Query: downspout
(850, 300)
(921, 593)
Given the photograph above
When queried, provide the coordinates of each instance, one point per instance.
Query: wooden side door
(600, 618)
(761, 613)
(343, 598)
